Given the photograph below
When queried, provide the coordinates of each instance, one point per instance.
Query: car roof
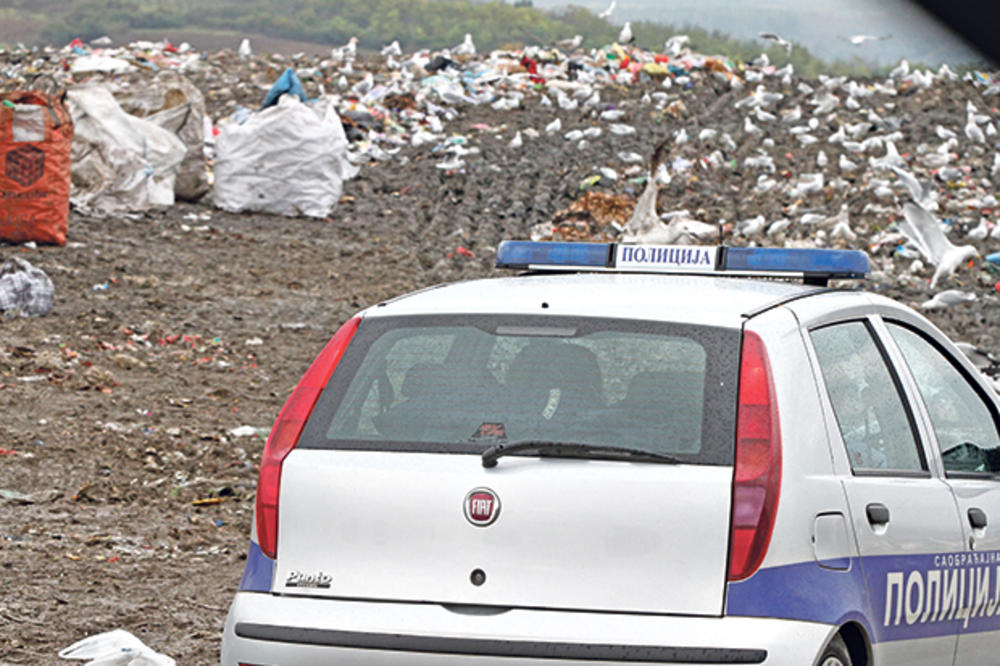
(704, 300)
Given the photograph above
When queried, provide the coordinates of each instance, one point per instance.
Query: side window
(963, 423)
(874, 423)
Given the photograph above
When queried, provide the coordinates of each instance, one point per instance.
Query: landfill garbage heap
(136, 408)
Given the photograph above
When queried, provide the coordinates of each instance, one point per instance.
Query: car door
(903, 515)
(962, 420)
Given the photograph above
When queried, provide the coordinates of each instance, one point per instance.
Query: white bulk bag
(120, 163)
(289, 159)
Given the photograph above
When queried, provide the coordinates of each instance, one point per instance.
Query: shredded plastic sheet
(289, 159)
(115, 648)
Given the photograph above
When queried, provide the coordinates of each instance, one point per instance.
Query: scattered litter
(245, 431)
(24, 289)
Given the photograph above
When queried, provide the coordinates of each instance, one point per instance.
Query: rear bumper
(268, 630)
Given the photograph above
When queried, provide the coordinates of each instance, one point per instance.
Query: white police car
(601, 461)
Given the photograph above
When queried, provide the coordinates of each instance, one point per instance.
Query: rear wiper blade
(573, 450)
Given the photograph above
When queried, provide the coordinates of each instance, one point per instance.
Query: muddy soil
(130, 501)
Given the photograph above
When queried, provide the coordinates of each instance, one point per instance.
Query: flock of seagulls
(847, 127)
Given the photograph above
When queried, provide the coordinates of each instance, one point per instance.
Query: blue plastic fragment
(994, 258)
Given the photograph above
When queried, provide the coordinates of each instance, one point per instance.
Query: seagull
(924, 197)
(393, 49)
(846, 164)
(858, 40)
(980, 232)
(466, 48)
(980, 358)
(793, 115)
(626, 36)
(674, 44)
(901, 70)
(763, 116)
(777, 39)
(570, 44)
(890, 159)
(644, 218)
(948, 298)
(364, 86)
(346, 52)
(973, 131)
(924, 231)
(944, 133)
(607, 12)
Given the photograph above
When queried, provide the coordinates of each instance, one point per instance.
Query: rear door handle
(878, 514)
(977, 518)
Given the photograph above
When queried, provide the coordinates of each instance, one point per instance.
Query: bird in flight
(924, 230)
(607, 12)
(674, 45)
(858, 40)
(777, 39)
(570, 44)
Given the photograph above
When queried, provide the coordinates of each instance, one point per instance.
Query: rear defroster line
(499, 648)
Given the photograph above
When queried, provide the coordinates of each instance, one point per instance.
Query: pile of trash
(753, 154)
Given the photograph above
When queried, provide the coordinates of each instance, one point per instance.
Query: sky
(819, 25)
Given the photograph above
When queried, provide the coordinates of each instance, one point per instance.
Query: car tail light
(285, 434)
(757, 477)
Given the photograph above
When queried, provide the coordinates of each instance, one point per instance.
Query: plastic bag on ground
(120, 162)
(289, 159)
(25, 289)
(287, 83)
(36, 135)
(171, 101)
(115, 648)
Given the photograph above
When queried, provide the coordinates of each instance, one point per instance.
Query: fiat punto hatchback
(630, 454)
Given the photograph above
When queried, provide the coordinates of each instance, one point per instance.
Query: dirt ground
(130, 501)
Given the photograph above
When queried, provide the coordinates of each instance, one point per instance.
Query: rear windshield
(459, 384)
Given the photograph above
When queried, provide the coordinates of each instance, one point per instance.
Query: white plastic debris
(99, 63)
(115, 648)
(289, 159)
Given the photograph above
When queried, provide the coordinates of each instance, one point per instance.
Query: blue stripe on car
(258, 573)
(916, 588)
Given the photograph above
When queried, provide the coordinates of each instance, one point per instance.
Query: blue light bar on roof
(525, 254)
(805, 261)
(810, 263)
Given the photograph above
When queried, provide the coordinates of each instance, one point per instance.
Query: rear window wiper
(574, 450)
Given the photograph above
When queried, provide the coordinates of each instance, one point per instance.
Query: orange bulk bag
(36, 135)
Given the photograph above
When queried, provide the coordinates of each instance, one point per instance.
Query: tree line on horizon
(416, 24)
